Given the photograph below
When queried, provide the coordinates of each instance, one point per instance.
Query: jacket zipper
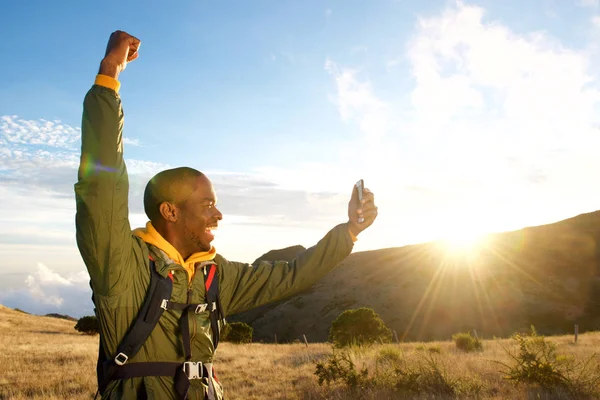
(189, 300)
(193, 324)
(193, 317)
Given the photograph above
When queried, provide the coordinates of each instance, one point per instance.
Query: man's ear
(168, 211)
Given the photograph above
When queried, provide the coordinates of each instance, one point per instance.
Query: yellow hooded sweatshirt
(151, 236)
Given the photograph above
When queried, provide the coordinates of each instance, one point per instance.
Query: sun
(463, 241)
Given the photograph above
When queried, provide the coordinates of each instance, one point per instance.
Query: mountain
(18, 322)
(548, 276)
(61, 316)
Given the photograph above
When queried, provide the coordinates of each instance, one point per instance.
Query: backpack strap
(159, 291)
(213, 300)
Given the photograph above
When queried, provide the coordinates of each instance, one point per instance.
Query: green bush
(358, 327)
(340, 367)
(435, 349)
(425, 377)
(537, 362)
(88, 325)
(237, 332)
(389, 355)
(429, 377)
(467, 342)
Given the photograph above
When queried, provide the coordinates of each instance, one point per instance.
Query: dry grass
(44, 358)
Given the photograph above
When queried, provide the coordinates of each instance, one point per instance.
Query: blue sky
(462, 117)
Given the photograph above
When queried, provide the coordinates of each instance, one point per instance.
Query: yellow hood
(151, 236)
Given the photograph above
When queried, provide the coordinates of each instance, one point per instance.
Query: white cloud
(530, 89)
(37, 132)
(19, 132)
(328, 12)
(131, 142)
(357, 102)
(46, 291)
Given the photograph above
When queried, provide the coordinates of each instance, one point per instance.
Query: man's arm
(103, 231)
(244, 286)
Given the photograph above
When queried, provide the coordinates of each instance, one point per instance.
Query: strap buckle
(164, 304)
(121, 358)
(200, 308)
(193, 370)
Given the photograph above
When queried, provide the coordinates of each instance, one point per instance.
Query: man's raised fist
(121, 49)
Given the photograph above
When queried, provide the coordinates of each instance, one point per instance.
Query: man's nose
(218, 215)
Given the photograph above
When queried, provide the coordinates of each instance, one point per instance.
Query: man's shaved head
(173, 186)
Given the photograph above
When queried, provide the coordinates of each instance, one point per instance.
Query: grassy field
(44, 358)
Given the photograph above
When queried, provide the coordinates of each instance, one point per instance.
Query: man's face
(200, 216)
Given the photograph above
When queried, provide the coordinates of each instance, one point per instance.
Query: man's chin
(205, 245)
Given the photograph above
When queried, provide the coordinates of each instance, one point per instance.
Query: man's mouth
(210, 229)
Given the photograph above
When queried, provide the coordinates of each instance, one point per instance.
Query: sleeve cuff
(354, 238)
(108, 82)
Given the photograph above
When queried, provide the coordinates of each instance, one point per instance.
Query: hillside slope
(547, 275)
(45, 358)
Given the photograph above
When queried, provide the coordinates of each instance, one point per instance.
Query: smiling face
(199, 216)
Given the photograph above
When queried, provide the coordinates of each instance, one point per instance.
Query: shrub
(389, 355)
(88, 325)
(537, 362)
(358, 327)
(435, 349)
(466, 342)
(237, 332)
(341, 367)
(425, 377)
(429, 377)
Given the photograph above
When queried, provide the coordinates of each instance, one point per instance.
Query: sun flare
(463, 242)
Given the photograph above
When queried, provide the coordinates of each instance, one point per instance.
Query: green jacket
(118, 261)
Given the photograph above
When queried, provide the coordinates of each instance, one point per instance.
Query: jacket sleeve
(243, 286)
(102, 225)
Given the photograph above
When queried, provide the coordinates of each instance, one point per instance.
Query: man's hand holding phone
(362, 211)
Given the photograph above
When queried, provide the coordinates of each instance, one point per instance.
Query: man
(175, 361)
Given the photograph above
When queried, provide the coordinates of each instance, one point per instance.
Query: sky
(462, 117)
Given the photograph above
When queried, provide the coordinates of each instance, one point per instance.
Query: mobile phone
(359, 187)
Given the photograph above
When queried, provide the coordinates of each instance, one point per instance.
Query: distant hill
(16, 321)
(61, 316)
(52, 315)
(548, 276)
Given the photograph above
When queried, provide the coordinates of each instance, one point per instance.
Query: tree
(88, 325)
(358, 326)
(237, 332)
